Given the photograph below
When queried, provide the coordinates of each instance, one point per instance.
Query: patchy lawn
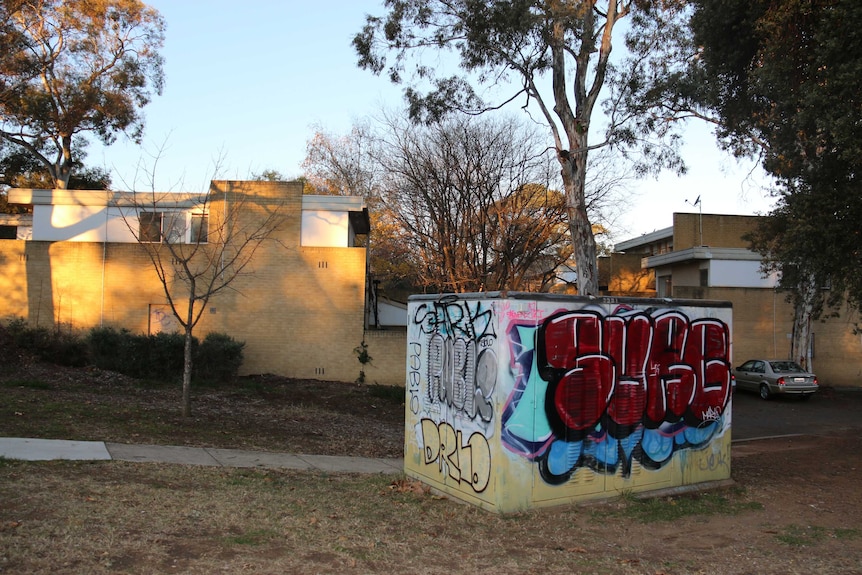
(796, 507)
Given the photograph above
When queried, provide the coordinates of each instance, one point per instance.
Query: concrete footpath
(51, 449)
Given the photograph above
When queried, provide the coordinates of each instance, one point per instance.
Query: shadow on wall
(40, 289)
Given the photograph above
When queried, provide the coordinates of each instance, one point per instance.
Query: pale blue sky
(251, 80)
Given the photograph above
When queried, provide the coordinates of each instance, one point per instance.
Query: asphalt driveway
(828, 411)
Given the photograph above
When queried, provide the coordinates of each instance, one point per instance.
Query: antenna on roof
(699, 205)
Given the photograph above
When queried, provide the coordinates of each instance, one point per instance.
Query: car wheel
(764, 391)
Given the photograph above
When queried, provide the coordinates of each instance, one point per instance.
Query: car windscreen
(785, 367)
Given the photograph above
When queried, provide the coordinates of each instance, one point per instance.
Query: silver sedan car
(770, 377)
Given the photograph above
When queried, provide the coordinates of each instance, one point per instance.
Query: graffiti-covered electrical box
(522, 400)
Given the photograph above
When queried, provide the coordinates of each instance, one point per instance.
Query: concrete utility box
(520, 400)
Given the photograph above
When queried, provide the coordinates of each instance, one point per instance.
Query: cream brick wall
(299, 310)
(724, 231)
(763, 324)
(388, 350)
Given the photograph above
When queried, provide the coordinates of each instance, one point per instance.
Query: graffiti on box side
(456, 358)
(601, 391)
(588, 389)
(464, 461)
(460, 360)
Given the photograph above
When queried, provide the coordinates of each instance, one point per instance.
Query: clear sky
(250, 81)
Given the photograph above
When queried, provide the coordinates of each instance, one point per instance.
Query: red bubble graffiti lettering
(603, 391)
(625, 371)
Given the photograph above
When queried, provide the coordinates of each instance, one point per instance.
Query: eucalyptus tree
(20, 169)
(551, 56)
(69, 68)
(779, 80)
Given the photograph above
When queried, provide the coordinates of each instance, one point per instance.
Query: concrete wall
(526, 400)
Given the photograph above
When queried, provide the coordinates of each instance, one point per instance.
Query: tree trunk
(583, 241)
(63, 167)
(187, 373)
(801, 342)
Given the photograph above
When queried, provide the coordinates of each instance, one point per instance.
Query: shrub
(110, 349)
(158, 356)
(218, 358)
(165, 353)
(9, 350)
(66, 349)
(59, 347)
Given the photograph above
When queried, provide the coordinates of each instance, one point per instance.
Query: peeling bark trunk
(804, 309)
(584, 243)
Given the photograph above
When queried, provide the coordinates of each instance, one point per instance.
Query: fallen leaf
(409, 486)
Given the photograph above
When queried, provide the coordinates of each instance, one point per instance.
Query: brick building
(300, 308)
(704, 256)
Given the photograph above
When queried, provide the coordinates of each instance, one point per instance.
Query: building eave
(102, 198)
(645, 239)
(699, 253)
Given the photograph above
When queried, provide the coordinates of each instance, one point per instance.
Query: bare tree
(473, 200)
(347, 164)
(341, 165)
(199, 245)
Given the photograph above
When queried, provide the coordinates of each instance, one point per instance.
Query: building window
(162, 226)
(704, 277)
(200, 228)
(150, 227)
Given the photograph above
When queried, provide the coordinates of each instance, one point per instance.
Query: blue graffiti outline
(557, 457)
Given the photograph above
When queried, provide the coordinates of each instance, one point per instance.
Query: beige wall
(763, 323)
(724, 231)
(388, 350)
(299, 310)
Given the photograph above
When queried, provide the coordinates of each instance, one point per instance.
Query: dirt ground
(806, 491)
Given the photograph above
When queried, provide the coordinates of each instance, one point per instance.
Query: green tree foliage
(780, 79)
(20, 169)
(269, 175)
(552, 55)
(73, 67)
(795, 90)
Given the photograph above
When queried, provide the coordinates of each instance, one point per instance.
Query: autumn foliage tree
(69, 68)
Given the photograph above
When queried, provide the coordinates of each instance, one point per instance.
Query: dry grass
(792, 511)
(260, 413)
(113, 517)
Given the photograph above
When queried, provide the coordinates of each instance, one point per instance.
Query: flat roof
(36, 197)
(644, 239)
